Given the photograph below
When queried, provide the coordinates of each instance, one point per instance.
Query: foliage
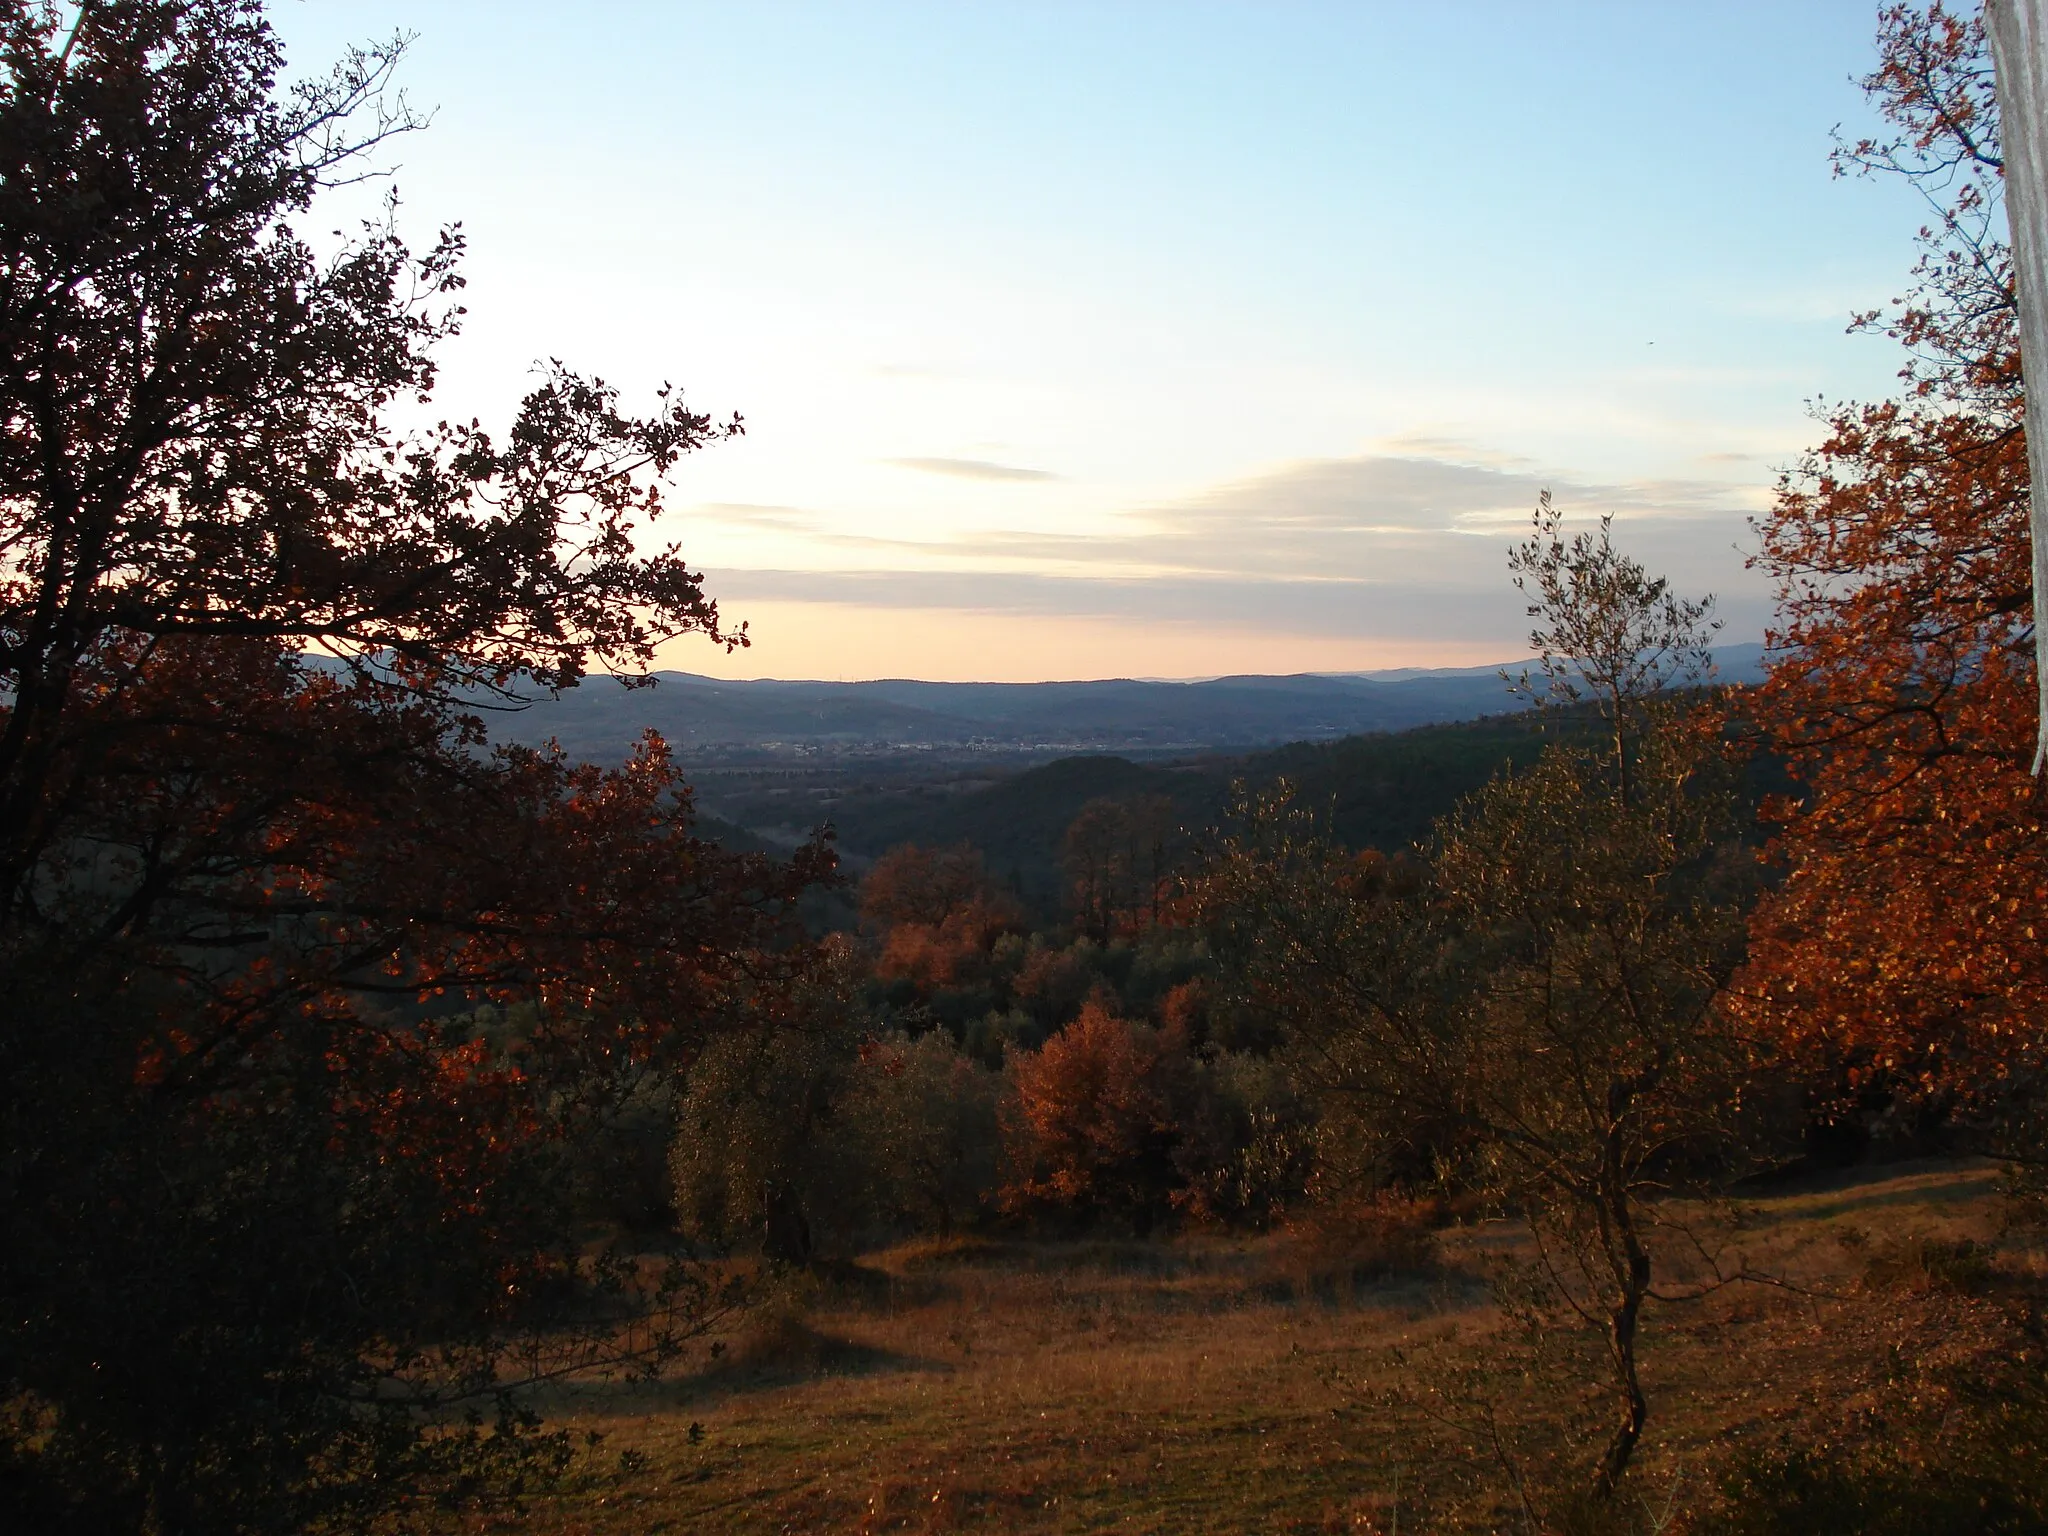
(926, 887)
(1017, 822)
(1383, 790)
(1247, 1143)
(940, 916)
(810, 1136)
(1963, 1454)
(1388, 792)
(276, 1213)
(1094, 1121)
(1898, 962)
(1119, 857)
(924, 1115)
(760, 1150)
(1535, 1011)
(251, 1179)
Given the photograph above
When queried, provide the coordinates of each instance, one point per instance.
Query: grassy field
(1217, 1385)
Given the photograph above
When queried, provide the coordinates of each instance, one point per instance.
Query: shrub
(1814, 1493)
(1959, 1454)
(1248, 1141)
(921, 1116)
(759, 1153)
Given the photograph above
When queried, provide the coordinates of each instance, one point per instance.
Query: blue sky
(1167, 340)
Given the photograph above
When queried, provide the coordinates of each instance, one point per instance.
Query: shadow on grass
(772, 1350)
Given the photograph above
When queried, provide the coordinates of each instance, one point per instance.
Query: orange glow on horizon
(836, 642)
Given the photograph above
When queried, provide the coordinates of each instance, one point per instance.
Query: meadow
(1272, 1383)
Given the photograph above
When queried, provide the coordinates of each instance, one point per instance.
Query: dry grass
(1205, 1385)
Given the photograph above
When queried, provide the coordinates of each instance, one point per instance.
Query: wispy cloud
(972, 469)
(1402, 520)
(749, 514)
(1379, 546)
(1451, 450)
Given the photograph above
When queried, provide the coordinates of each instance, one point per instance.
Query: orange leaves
(1916, 853)
(939, 915)
(316, 867)
(1901, 689)
(1094, 1118)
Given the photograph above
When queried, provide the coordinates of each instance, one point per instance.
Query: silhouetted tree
(274, 1194)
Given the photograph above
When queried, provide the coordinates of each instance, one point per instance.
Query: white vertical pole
(2019, 57)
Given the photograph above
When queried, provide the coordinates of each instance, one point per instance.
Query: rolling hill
(702, 715)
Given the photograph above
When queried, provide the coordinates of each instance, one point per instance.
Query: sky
(1166, 340)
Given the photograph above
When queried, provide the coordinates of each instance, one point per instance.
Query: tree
(923, 1114)
(1095, 1118)
(1119, 856)
(762, 1149)
(939, 914)
(1535, 1011)
(1899, 962)
(926, 886)
(274, 1193)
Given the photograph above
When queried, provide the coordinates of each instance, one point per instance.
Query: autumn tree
(1535, 1011)
(925, 886)
(937, 913)
(1096, 1115)
(278, 1180)
(1900, 961)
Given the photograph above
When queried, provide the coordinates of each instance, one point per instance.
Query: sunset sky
(1135, 339)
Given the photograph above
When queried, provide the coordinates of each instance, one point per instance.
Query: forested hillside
(1379, 791)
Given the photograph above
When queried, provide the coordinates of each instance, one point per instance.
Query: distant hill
(601, 720)
(1379, 791)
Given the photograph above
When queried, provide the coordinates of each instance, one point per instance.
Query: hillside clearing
(1216, 1385)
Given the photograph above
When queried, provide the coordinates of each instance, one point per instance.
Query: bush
(759, 1153)
(1248, 1142)
(1812, 1493)
(921, 1117)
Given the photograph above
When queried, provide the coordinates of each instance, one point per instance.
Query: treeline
(982, 1072)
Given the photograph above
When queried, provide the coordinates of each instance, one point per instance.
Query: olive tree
(1531, 1005)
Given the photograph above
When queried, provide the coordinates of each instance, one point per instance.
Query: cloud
(1412, 521)
(972, 469)
(808, 526)
(1451, 450)
(751, 515)
(1329, 608)
(1380, 546)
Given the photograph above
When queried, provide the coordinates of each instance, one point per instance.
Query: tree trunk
(785, 1230)
(1621, 1345)
(1632, 1275)
(2018, 30)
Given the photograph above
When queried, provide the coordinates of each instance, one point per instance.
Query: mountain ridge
(699, 714)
